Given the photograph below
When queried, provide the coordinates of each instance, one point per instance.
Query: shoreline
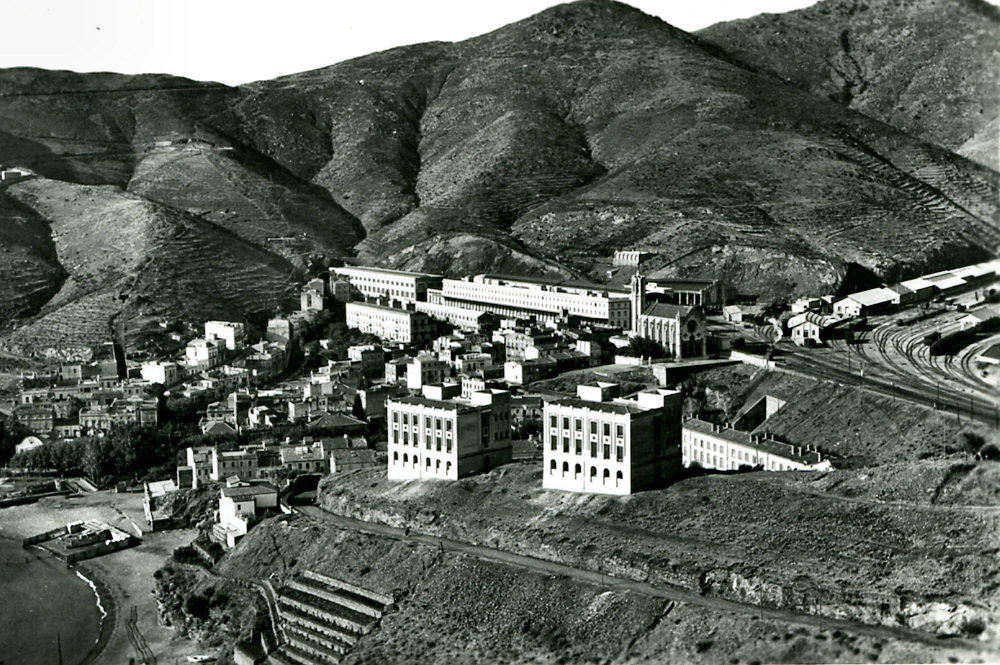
(108, 603)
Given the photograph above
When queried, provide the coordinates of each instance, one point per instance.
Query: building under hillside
(547, 299)
(372, 282)
(389, 323)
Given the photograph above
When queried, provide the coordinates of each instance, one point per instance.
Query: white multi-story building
(374, 282)
(447, 439)
(425, 370)
(198, 469)
(389, 323)
(598, 444)
(166, 373)
(202, 353)
(726, 449)
(229, 334)
(545, 298)
(462, 317)
(370, 357)
(242, 463)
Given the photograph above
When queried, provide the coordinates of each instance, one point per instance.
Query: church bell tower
(637, 297)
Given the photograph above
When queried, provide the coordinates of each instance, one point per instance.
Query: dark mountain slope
(540, 147)
(929, 67)
(130, 259)
(172, 140)
(593, 126)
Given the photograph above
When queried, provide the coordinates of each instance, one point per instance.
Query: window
(607, 429)
(619, 453)
(577, 470)
(619, 431)
(406, 458)
(565, 444)
(554, 441)
(428, 465)
(565, 468)
(607, 451)
(395, 457)
(593, 449)
(578, 425)
(593, 427)
(593, 472)
(579, 447)
(565, 422)
(606, 476)
(552, 467)
(618, 478)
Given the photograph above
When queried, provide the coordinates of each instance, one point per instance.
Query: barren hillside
(538, 148)
(928, 67)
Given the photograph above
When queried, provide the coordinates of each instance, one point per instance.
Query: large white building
(163, 372)
(447, 439)
(726, 449)
(544, 298)
(462, 317)
(229, 334)
(598, 444)
(374, 282)
(389, 323)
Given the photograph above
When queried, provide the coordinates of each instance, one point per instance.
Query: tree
(640, 347)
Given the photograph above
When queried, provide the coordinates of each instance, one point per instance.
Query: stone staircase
(323, 617)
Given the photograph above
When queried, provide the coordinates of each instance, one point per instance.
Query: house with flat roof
(712, 446)
(241, 503)
(373, 282)
(445, 439)
(599, 443)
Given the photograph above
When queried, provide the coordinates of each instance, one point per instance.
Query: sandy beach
(124, 579)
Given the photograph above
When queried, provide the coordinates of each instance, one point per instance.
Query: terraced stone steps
(332, 643)
(293, 617)
(298, 655)
(375, 600)
(314, 648)
(323, 599)
(322, 618)
(336, 596)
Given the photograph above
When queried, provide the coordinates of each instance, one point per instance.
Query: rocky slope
(928, 67)
(538, 148)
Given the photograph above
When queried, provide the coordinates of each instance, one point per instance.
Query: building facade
(595, 445)
(229, 334)
(716, 447)
(447, 439)
(680, 329)
(389, 323)
(373, 282)
(548, 299)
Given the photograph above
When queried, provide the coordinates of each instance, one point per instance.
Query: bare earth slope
(929, 67)
(538, 148)
(126, 255)
(593, 126)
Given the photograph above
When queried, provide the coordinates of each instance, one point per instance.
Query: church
(679, 329)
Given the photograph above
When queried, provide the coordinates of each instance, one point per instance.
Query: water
(38, 600)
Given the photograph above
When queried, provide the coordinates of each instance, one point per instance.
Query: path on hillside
(664, 591)
(979, 509)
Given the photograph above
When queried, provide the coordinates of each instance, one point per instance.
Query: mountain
(538, 148)
(928, 67)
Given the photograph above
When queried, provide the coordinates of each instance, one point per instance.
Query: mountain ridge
(539, 147)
